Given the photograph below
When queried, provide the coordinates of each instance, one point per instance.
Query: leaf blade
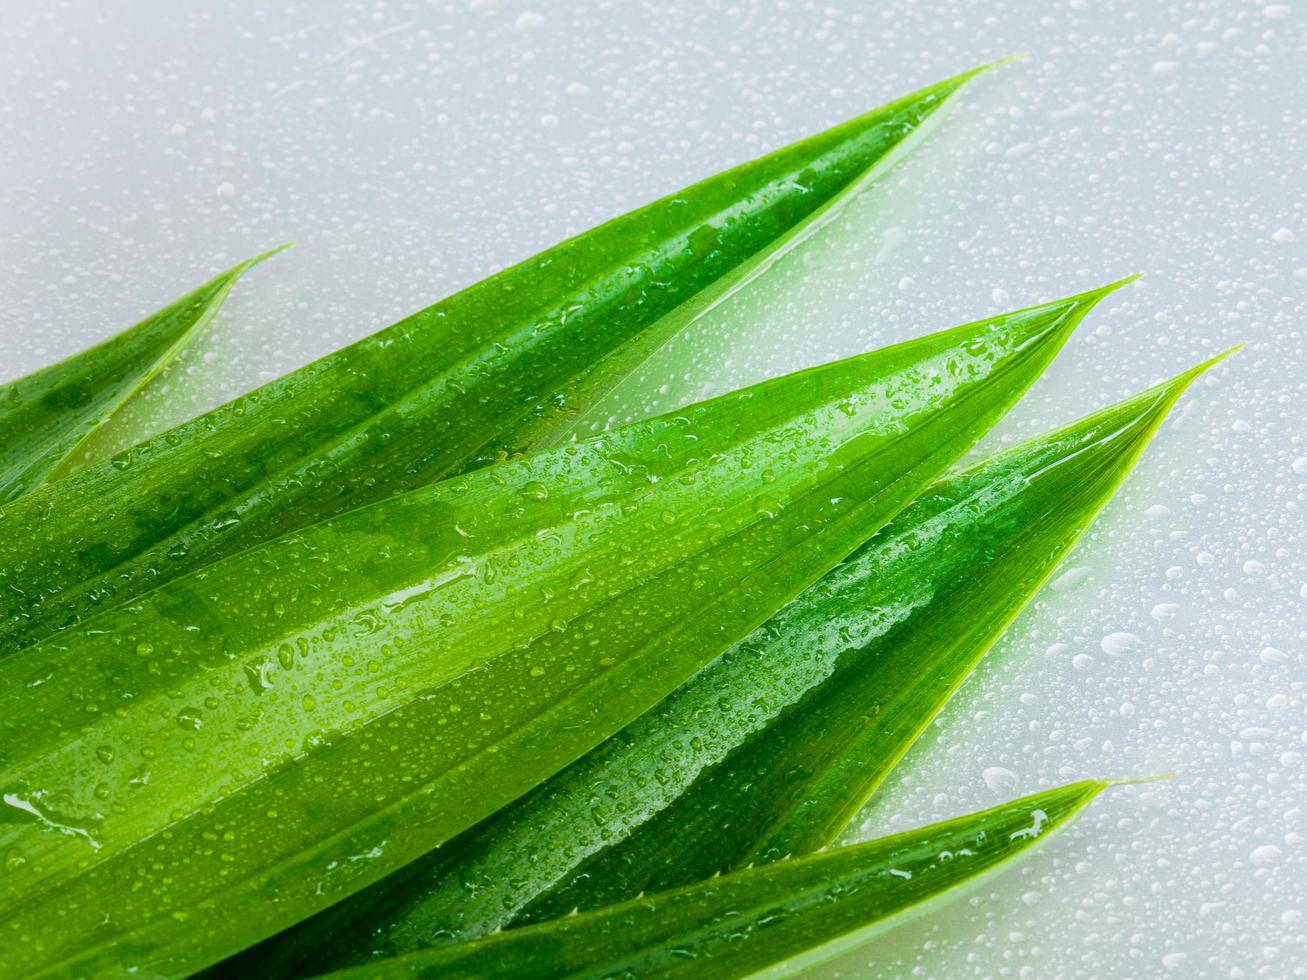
(687, 792)
(384, 680)
(753, 919)
(46, 416)
(499, 367)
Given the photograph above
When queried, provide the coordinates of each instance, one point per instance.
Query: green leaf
(48, 415)
(501, 367)
(773, 748)
(240, 748)
(735, 925)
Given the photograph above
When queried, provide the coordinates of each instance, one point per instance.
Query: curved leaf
(501, 367)
(47, 415)
(773, 748)
(374, 685)
(744, 922)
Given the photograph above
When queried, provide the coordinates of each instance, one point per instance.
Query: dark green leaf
(46, 416)
(500, 367)
(773, 748)
(242, 747)
(732, 926)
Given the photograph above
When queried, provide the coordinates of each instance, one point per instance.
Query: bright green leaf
(48, 415)
(501, 367)
(818, 906)
(184, 773)
(773, 748)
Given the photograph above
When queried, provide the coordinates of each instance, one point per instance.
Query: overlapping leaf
(246, 745)
(500, 367)
(773, 748)
(46, 416)
(747, 921)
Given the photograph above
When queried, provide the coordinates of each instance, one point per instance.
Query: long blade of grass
(741, 923)
(46, 416)
(773, 748)
(501, 367)
(881, 644)
(376, 684)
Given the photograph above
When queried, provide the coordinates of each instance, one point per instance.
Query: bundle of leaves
(382, 668)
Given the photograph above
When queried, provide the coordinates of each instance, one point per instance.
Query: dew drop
(1119, 644)
(999, 779)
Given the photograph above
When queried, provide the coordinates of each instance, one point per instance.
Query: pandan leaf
(500, 367)
(46, 416)
(774, 747)
(819, 905)
(189, 773)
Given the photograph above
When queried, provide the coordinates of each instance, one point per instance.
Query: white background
(409, 148)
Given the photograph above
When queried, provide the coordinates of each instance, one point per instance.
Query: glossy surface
(46, 416)
(412, 147)
(772, 749)
(499, 368)
(744, 922)
(182, 774)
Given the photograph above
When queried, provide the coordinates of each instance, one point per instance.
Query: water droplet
(1069, 579)
(1264, 855)
(1000, 779)
(257, 676)
(1119, 644)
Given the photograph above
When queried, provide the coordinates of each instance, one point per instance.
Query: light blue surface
(409, 148)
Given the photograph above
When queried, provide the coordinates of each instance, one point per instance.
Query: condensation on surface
(410, 148)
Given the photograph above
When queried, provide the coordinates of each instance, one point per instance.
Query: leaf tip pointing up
(1094, 295)
(1003, 62)
(261, 257)
(955, 82)
(1160, 777)
(1166, 393)
(1079, 305)
(1187, 378)
(1054, 322)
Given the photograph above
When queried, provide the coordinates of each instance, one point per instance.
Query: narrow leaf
(376, 684)
(892, 633)
(498, 368)
(46, 416)
(741, 923)
(773, 748)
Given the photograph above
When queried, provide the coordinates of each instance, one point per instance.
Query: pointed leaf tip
(1172, 388)
(962, 78)
(255, 260)
(1055, 320)
(996, 64)
(1097, 293)
(1202, 368)
(1070, 311)
(1160, 777)
(49, 416)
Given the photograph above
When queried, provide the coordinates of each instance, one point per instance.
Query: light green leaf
(773, 748)
(46, 416)
(741, 923)
(184, 773)
(501, 367)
